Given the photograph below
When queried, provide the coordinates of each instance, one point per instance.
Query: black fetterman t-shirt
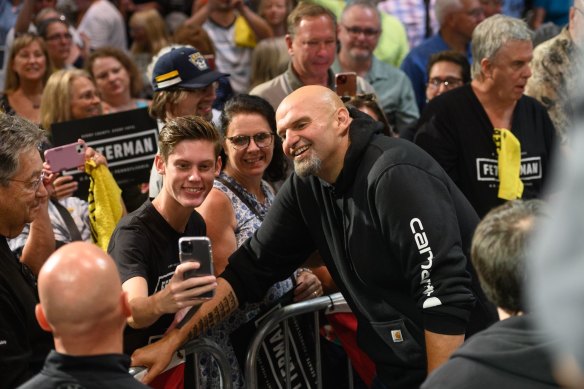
(145, 245)
(458, 133)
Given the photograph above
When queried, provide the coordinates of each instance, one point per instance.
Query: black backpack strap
(68, 219)
(240, 196)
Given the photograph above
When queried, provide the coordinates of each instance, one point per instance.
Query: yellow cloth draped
(509, 161)
(105, 207)
(244, 35)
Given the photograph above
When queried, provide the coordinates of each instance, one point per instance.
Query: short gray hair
(492, 34)
(368, 4)
(443, 8)
(499, 251)
(17, 136)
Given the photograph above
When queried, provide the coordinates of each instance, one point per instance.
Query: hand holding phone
(346, 84)
(66, 157)
(197, 249)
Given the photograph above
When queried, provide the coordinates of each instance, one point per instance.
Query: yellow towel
(105, 207)
(243, 34)
(509, 161)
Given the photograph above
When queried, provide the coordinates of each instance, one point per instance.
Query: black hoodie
(509, 354)
(393, 231)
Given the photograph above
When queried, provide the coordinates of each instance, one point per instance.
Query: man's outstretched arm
(440, 347)
(157, 356)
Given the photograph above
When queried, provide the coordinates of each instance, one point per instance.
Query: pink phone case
(66, 157)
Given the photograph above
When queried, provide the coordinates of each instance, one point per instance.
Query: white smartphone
(197, 249)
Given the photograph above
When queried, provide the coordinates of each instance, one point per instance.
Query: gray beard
(308, 167)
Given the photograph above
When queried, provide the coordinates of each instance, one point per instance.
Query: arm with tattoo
(214, 315)
(157, 356)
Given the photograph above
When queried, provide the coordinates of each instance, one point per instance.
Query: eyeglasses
(32, 185)
(261, 139)
(356, 31)
(55, 37)
(448, 82)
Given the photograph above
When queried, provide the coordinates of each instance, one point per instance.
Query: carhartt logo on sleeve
(396, 336)
(426, 267)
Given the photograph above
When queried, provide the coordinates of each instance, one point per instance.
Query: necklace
(36, 103)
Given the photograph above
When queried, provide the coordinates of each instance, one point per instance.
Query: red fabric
(170, 379)
(345, 327)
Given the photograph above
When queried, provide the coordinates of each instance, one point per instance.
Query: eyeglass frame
(356, 31)
(248, 140)
(435, 82)
(58, 37)
(33, 185)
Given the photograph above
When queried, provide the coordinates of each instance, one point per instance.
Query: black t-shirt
(145, 245)
(459, 135)
(86, 372)
(23, 344)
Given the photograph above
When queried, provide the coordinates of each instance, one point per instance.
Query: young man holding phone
(145, 243)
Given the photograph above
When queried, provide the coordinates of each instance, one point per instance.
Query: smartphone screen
(346, 84)
(197, 249)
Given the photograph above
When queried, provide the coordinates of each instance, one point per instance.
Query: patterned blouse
(247, 223)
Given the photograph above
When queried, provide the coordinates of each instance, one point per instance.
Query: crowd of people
(455, 111)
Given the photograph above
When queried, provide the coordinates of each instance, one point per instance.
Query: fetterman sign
(127, 139)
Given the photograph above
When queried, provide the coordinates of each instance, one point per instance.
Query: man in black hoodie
(511, 353)
(391, 226)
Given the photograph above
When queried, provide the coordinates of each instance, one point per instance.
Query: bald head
(314, 124)
(80, 291)
(309, 96)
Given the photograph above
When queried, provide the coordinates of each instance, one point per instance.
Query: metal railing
(196, 347)
(330, 303)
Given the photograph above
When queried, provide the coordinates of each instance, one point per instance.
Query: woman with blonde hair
(276, 12)
(148, 32)
(149, 35)
(69, 95)
(26, 74)
(270, 58)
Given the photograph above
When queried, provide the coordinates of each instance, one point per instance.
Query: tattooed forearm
(214, 315)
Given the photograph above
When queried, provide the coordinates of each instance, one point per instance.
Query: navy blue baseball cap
(183, 68)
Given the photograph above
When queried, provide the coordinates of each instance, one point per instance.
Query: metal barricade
(204, 345)
(329, 303)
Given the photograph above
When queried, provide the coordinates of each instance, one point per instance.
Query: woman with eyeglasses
(240, 198)
(26, 75)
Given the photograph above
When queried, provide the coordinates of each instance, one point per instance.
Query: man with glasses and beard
(359, 32)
